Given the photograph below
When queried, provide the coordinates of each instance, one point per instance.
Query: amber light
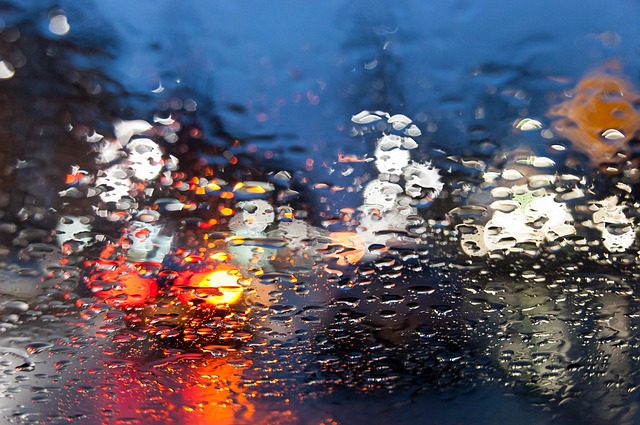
(600, 118)
(353, 247)
(220, 287)
(214, 394)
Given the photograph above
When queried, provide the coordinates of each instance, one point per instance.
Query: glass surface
(338, 212)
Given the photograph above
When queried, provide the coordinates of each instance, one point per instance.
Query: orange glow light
(214, 288)
(215, 394)
(208, 224)
(353, 244)
(124, 287)
(602, 104)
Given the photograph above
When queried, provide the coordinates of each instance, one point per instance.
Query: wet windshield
(332, 213)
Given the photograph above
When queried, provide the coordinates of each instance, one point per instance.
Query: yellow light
(220, 287)
(256, 189)
(219, 256)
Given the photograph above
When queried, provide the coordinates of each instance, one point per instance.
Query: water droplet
(38, 347)
(16, 306)
(511, 174)
(528, 124)
(26, 367)
(6, 70)
(613, 134)
(58, 24)
(365, 117)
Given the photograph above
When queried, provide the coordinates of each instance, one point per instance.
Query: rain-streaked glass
(331, 213)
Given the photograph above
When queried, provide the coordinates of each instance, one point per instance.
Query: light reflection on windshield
(334, 241)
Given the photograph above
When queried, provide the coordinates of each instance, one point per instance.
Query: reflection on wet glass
(172, 255)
